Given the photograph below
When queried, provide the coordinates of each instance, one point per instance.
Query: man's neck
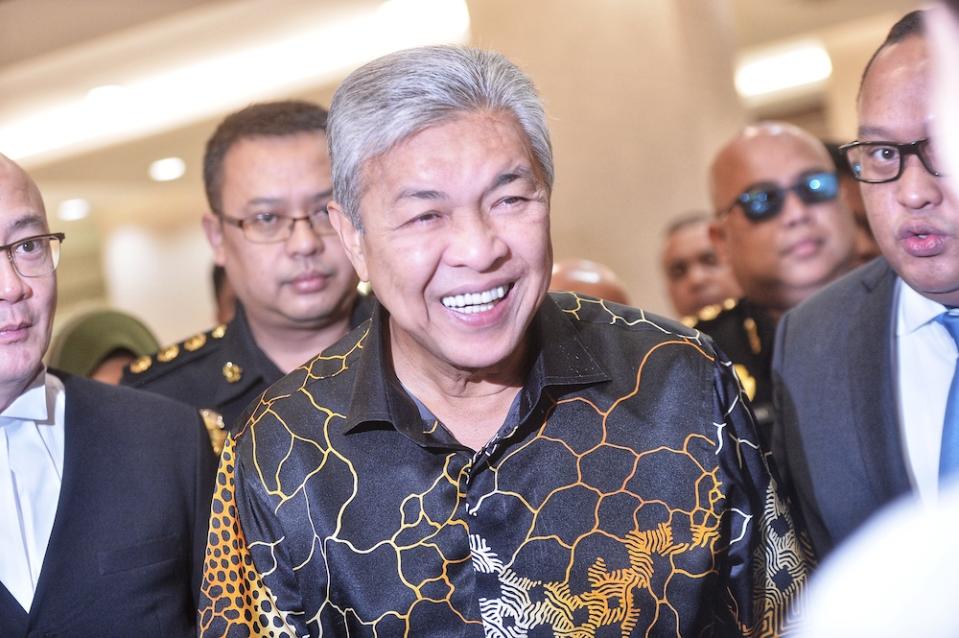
(471, 404)
(290, 347)
(11, 390)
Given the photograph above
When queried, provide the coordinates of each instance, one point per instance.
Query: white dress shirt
(31, 468)
(926, 358)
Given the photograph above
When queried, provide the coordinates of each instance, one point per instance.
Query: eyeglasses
(268, 228)
(35, 256)
(765, 200)
(881, 162)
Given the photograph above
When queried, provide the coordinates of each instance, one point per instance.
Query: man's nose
(917, 188)
(13, 288)
(475, 243)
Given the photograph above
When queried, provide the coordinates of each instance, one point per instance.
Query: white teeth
(471, 302)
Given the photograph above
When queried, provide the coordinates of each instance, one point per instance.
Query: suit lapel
(872, 375)
(13, 618)
(75, 444)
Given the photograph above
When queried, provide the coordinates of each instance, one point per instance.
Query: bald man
(104, 491)
(784, 231)
(589, 278)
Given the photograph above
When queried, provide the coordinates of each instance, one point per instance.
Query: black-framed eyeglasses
(765, 200)
(268, 228)
(881, 162)
(35, 256)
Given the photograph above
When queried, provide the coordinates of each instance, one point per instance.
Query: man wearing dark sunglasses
(867, 396)
(784, 231)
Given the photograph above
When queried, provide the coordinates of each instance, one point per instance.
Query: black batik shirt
(628, 498)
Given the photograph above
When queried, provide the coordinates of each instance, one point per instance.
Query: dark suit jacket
(837, 438)
(126, 550)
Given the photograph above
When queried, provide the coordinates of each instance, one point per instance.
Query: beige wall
(638, 97)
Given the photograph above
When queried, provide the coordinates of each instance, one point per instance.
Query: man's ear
(213, 229)
(351, 237)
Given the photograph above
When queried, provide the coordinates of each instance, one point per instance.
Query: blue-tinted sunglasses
(765, 200)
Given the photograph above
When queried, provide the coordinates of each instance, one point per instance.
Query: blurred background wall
(639, 93)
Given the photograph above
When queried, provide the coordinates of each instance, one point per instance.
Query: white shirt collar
(35, 403)
(915, 311)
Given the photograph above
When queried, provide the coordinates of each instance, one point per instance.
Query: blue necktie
(949, 453)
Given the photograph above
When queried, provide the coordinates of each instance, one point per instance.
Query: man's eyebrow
(414, 193)
(873, 131)
(519, 172)
(328, 193)
(27, 221)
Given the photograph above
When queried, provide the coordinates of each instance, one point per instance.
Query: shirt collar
(33, 404)
(559, 359)
(915, 310)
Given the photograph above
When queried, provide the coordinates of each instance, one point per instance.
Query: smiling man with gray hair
(481, 458)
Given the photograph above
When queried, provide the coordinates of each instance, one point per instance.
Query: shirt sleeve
(768, 555)
(245, 565)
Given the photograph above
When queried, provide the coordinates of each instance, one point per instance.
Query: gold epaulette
(171, 352)
(215, 429)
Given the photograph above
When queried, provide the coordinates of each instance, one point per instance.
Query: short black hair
(266, 119)
(843, 169)
(908, 26)
(686, 219)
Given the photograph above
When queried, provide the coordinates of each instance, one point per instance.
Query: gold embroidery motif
(168, 354)
(219, 331)
(752, 333)
(215, 428)
(232, 372)
(746, 380)
(194, 343)
(142, 364)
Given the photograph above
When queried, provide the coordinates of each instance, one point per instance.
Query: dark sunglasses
(765, 200)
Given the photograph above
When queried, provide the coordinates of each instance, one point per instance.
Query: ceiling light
(167, 169)
(311, 55)
(781, 71)
(71, 210)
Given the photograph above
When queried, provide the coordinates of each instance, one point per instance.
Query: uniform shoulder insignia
(215, 428)
(170, 357)
(709, 312)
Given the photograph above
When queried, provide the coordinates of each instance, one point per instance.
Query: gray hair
(388, 100)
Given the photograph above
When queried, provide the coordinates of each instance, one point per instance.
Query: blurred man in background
(589, 278)
(696, 276)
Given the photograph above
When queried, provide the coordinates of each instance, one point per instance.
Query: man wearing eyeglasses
(104, 491)
(865, 407)
(267, 178)
(785, 233)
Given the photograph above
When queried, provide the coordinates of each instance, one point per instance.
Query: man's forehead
(899, 78)
(20, 203)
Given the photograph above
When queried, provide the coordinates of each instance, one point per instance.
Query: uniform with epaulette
(746, 333)
(220, 371)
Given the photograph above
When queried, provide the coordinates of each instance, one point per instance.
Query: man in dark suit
(104, 491)
(266, 170)
(863, 369)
